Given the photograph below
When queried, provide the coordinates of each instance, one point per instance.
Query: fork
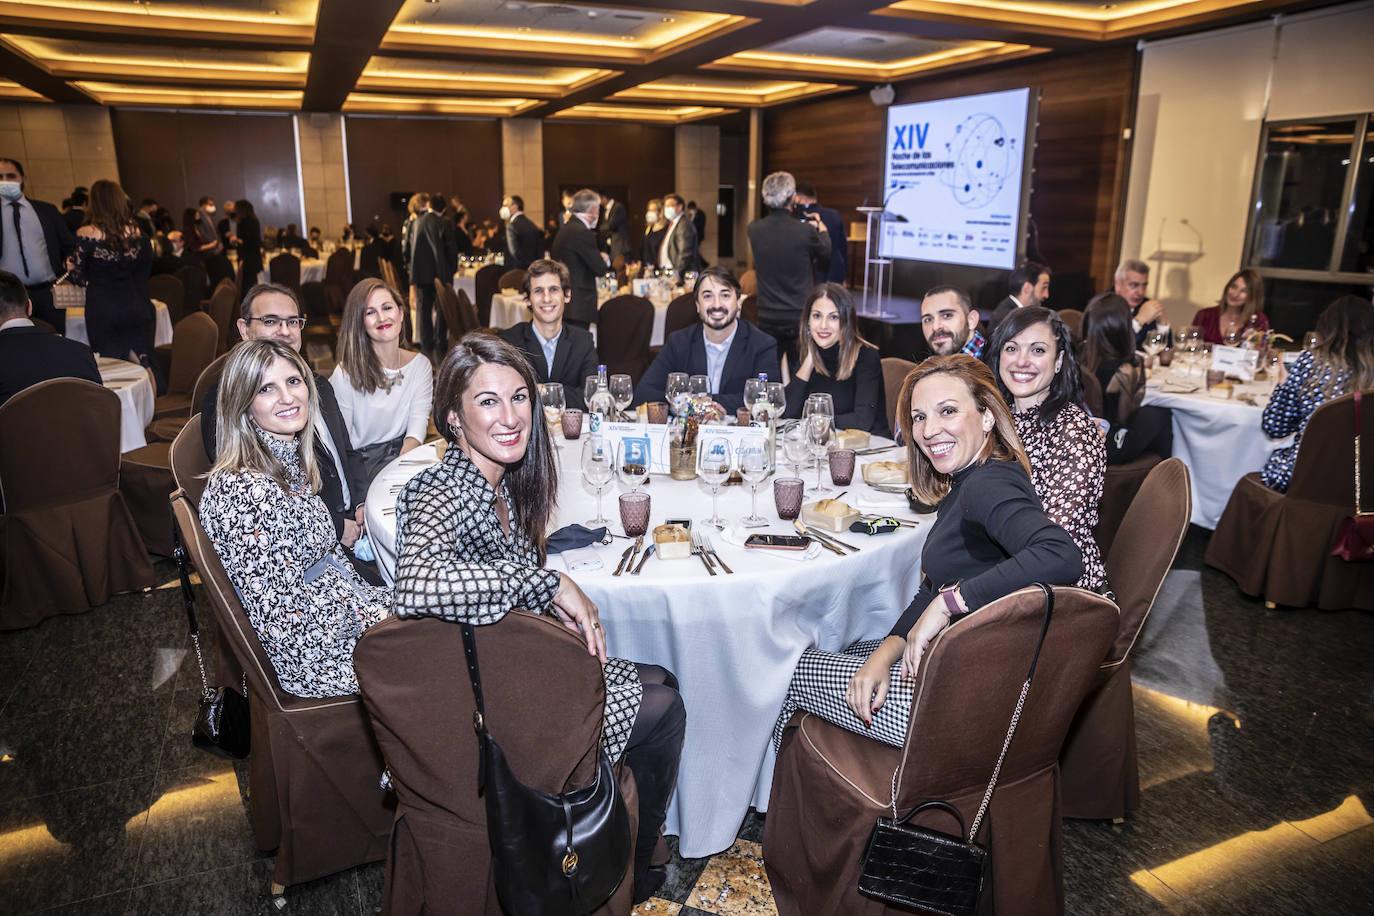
(699, 548)
(711, 549)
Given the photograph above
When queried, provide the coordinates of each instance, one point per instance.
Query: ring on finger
(596, 625)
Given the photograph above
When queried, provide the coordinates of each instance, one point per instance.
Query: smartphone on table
(778, 541)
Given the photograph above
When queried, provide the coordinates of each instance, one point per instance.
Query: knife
(876, 449)
(647, 550)
(624, 557)
(802, 529)
(825, 539)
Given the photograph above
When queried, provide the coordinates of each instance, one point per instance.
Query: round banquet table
(136, 397)
(1219, 440)
(733, 640)
(508, 309)
(162, 328)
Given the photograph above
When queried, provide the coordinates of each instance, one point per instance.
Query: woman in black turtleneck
(992, 537)
(835, 360)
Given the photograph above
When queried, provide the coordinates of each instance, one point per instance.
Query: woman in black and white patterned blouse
(470, 547)
(262, 510)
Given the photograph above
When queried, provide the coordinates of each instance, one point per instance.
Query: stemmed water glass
(795, 448)
(1155, 342)
(754, 389)
(634, 473)
(677, 389)
(597, 469)
(699, 386)
(755, 464)
(552, 397)
(588, 389)
(777, 399)
(622, 392)
(818, 419)
(713, 466)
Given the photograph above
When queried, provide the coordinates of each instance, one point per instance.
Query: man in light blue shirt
(556, 350)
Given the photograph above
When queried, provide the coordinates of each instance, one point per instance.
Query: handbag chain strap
(1011, 728)
(1359, 503)
(188, 599)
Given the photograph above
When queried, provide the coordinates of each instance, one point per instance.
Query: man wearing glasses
(273, 311)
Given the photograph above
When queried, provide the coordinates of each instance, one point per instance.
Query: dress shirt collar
(1019, 303)
(16, 323)
(716, 354)
(549, 346)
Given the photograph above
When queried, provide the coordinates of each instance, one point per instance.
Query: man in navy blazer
(34, 242)
(557, 351)
(30, 354)
(723, 347)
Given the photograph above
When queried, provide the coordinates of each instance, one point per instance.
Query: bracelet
(951, 602)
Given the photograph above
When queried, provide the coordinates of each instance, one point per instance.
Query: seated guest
(30, 354)
(176, 258)
(1342, 362)
(384, 391)
(1031, 356)
(723, 347)
(838, 362)
(950, 322)
(470, 536)
(273, 311)
(1240, 310)
(1130, 282)
(557, 352)
(1027, 287)
(262, 511)
(1109, 354)
(991, 538)
(292, 239)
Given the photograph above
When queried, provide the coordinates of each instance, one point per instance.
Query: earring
(455, 429)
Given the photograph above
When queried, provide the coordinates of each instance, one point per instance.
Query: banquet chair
(67, 539)
(313, 768)
(338, 278)
(197, 286)
(194, 345)
(1278, 545)
(682, 313)
(224, 308)
(168, 290)
(419, 698)
(485, 284)
(895, 371)
(624, 326)
(455, 318)
(749, 283)
(1092, 392)
(1119, 487)
(512, 279)
(315, 304)
(166, 430)
(285, 269)
(1098, 774)
(1073, 320)
(749, 309)
(830, 784)
(389, 277)
(218, 268)
(468, 312)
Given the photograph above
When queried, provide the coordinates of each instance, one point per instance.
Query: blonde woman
(263, 512)
(837, 361)
(384, 391)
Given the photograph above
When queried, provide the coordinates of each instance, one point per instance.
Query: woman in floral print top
(1031, 355)
(262, 511)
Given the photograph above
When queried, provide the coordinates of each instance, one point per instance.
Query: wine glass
(777, 400)
(622, 392)
(713, 466)
(755, 464)
(699, 386)
(631, 463)
(552, 397)
(754, 389)
(1155, 342)
(795, 448)
(676, 391)
(818, 419)
(597, 470)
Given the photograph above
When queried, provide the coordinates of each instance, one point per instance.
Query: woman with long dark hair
(114, 259)
(1109, 354)
(836, 360)
(250, 242)
(1240, 309)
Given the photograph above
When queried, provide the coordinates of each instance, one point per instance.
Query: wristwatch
(951, 602)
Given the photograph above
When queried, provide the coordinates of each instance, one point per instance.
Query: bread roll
(852, 438)
(672, 542)
(893, 472)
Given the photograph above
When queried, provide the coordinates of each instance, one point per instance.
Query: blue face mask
(11, 190)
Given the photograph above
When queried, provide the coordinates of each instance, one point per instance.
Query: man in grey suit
(679, 249)
(433, 255)
(34, 242)
(614, 227)
(575, 246)
(556, 351)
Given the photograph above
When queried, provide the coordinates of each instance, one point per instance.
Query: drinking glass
(713, 466)
(588, 389)
(597, 469)
(552, 397)
(777, 399)
(755, 464)
(572, 423)
(633, 472)
(676, 391)
(795, 448)
(787, 497)
(622, 392)
(818, 420)
(634, 513)
(699, 385)
(754, 389)
(1155, 342)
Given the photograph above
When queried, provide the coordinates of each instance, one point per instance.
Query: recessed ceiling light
(592, 14)
(668, 19)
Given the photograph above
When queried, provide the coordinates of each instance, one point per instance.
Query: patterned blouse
(1308, 386)
(1068, 460)
(302, 595)
(454, 561)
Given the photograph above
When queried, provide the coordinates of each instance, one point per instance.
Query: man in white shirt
(557, 351)
(1027, 287)
(34, 242)
(678, 250)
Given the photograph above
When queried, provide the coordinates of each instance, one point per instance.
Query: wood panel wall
(448, 155)
(634, 161)
(179, 157)
(1080, 159)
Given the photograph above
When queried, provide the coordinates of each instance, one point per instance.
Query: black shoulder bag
(551, 855)
(915, 866)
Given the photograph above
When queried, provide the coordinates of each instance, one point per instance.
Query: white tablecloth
(507, 310)
(136, 396)
(1219, 440)
(732, 640)
(162, 329)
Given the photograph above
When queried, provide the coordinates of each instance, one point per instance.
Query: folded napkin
(879, 500)
(581, 559)
(735, 536)
(571, 537)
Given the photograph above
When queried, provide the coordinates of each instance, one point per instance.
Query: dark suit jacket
(331, 491)
(170, 263)
(433, 250)
(575, 246)
(751, 352)
(838, 269)
(784, 249)
(615, 230)
(56, 235)
(699, 224)
(573, 359)
(32, 355)
(682, 247)
(524, 242)
(1004, 308)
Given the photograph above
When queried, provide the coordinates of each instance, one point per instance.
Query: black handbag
(551, 854)
(914, 866)
(222, 726)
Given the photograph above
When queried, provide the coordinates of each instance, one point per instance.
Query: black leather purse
(918, 867)
(551, 854)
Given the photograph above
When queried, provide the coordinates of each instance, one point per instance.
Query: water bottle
(601, 405)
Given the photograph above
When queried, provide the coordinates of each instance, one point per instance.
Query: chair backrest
(218, 268)
(195, 341)
(749, 309)
(208, 377)
(188, 460)
(1073, 320)
(468, 312)
(895, 371)
(59, 443)
(285, 269)
(969, 681)
(1324, 471)
(167, 289)
(1144, 548)
(389, 276)
(196, 283)
(315, 301)
(749, 283)
(1092, 392)
(512, 279)
(485, 283)
(624, 326)
(224, 308)
(338, 270)
(682, 313)
(454, 317)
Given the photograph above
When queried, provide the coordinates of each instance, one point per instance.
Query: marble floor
(1255, 729)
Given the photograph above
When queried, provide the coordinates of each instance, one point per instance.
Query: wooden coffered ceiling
(665, 61)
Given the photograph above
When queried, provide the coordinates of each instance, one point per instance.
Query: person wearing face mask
(207, 241)
(575, 245)
(34, 242)
(678, 250)
(175, 258)
(614, 228)
(654, 227)
(524, 241)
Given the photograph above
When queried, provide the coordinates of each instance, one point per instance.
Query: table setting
(508, 308)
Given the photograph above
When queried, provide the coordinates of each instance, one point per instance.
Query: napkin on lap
(735, 535)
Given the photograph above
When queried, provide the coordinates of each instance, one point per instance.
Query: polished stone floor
(1256, 734)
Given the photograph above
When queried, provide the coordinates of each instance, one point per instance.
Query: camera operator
(784, 249)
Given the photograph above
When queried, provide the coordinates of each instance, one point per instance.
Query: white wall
(1202, 101)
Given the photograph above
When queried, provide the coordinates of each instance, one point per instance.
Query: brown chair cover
(167, 289)
(417, 691)
(1099, 777)
(624, 326)
(145, 479)
(895, 371)
(285, 269)
(485, 284)
(749, 283)
(455, 317)
(468, 312)
(1073, 320)
(830, 784)
(314, 768)
(67, 540)
(315, 302)
(389, 277)
(338, 278)
(1119, 486)
(196, 283)
(195, 341)
(682, 313)
(1278, 545)
(749, 309)
(167, 430)
(219, 268)
(512, 279)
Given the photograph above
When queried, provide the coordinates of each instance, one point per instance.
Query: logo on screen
(906, 133)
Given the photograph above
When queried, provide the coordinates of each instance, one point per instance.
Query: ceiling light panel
(290, 21)
(70, 59)
(667, 115)
(1087, 18)
(395, 73)
(9, 89)
(188, 97)
(716, 90)
(379, 103)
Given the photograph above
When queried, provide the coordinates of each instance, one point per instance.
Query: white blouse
(383, 415)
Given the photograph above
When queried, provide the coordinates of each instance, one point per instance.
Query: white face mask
(10, 190)
(670, 213)
(504, 213)
(651, 217)
(210, 210)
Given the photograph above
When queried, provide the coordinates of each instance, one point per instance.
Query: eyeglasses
(272, 322)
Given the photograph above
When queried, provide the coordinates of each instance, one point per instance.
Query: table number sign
(1236, 361)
